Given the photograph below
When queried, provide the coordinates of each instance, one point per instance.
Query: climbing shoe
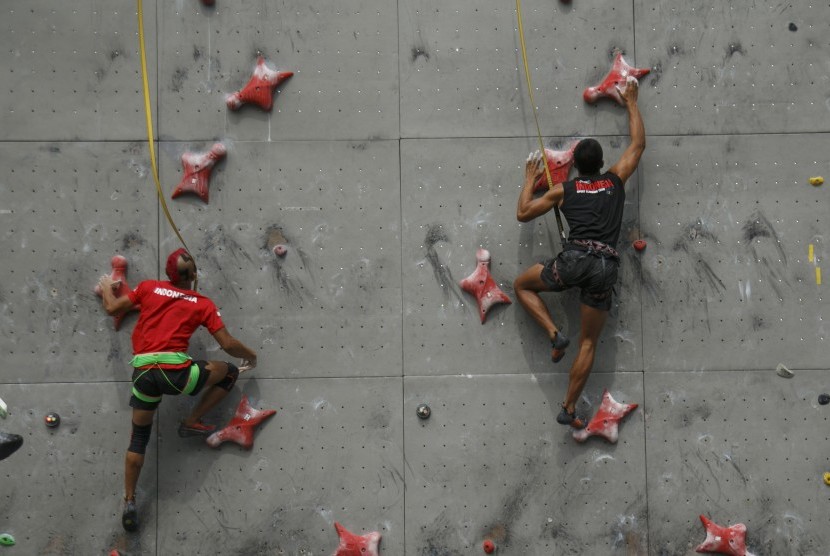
(196, 429)
(565, 418)
(129, 519)
(559, 343)
(9, 443)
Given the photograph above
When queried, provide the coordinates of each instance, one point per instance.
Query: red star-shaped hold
(607, 420)
(559, 164)
(260, 89)
(618, 76)
(119, 275)
(356, 545)
(198, 168)
(723, 540)
(481, 284)
(241, 428)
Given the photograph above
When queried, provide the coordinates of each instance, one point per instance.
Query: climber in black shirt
(593, 206)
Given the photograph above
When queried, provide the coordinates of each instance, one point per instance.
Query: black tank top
(593, 207)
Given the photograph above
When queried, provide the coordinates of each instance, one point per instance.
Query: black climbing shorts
(150, 384)
(594, 274)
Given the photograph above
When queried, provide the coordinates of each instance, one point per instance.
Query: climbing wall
(394, 152)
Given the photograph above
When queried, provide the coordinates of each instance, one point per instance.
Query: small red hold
(356, 545)
(488, 546)
(198, 168)
(208, 2)
(481, 284)
(559, 164)
(607, 420)
(118, 275)
(639, 244)
(723, 540)
(115, 553)
(280, 250)
(618, 76)
(241, 428)
(260, 88)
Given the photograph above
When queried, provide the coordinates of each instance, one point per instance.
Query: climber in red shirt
(170, 312)
(593, 206)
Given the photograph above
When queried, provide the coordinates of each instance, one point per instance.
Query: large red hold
(260, 88)
(617, 77)
(241, 428)
(198, 168)
(606, 422)
(481, 284)
(356, 545)
(559, 164)
(119, 275)
(723, 540)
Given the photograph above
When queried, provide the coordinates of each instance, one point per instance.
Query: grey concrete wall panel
(65, 210)
(332, 452)
(61, 490)
(462, 75)
(731, 221)
(343, 55)
(491, 462)
(332, 305)
(738, 447)
(459, 194)
(72, 70)
(734, 67)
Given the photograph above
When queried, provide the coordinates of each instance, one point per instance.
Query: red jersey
(169, 316)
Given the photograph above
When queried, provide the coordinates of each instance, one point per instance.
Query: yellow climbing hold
(817, 180)
(827, 479)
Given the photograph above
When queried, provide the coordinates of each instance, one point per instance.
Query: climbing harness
(535, 116)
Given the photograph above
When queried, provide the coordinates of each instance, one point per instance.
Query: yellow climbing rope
(149, 117)
(536, 117)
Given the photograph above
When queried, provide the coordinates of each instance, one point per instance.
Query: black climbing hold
(52, 419)
(793, 27)
(9, 443)
(823, 399)
(423, 411)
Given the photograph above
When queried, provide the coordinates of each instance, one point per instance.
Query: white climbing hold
(784, 371)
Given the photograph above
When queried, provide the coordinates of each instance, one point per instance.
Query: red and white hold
(619, 76)
(723, 540)
(119, 275)
(559, 165)
(607, 420)
(280, 250)
(356, 545)
(481, 284)
(260, 88)
(241, 428)
(198, 168)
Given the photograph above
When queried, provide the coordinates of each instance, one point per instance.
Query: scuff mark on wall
(283, 276)
(443, 276)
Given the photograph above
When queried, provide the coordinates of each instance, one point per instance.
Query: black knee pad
(140, 438)
(230, 378)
